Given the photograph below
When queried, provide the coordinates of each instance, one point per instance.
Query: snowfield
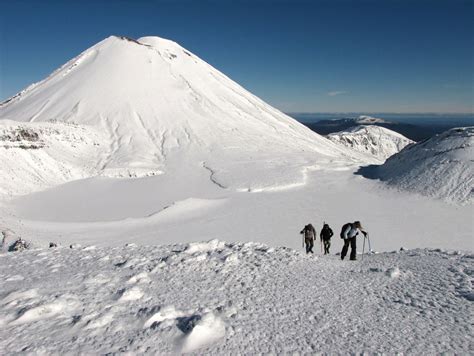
(232, 298)
(378, 143)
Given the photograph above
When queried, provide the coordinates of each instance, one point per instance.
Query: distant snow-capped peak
(365, 119)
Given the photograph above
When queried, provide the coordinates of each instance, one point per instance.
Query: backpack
(326, 233)
(344, 227)
(308, 232)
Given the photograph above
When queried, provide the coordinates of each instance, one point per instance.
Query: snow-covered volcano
(375, 141)
(442, 166)
(160, 108)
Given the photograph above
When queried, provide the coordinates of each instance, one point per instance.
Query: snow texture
(377, 142)
(234, 298)
(441, 166)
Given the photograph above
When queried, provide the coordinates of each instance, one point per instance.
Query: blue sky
(300, 56)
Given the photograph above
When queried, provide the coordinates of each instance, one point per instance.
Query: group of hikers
(349, 234)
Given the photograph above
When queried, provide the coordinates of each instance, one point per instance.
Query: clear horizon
(366, 56)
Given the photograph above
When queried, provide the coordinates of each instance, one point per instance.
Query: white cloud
(334, 93)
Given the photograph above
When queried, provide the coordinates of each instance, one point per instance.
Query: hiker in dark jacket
(325, 236)
(349, 233)
(309, 237)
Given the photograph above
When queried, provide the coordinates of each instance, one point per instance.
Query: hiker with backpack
(349, 233)
(325, 236)
(309, 235)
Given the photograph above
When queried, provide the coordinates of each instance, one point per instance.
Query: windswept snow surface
(234, 298)
(377, 142)
(441, 166)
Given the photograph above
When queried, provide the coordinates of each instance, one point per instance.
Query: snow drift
(160, 108)
(375, 141)
(441, 166)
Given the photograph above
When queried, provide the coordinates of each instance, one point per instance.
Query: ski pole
(368, 239)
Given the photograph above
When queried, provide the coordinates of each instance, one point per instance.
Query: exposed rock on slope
(375, 141)
(40, 155)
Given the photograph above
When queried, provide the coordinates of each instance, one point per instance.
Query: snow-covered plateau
(377, 142)
(234, 298)
(138, 150)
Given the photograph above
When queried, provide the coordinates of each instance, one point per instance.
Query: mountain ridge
(376, 141)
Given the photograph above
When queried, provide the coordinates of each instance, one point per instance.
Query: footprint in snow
(139, 278)
(201, 331)
(126, 295)
(393, 272)
(62, 305)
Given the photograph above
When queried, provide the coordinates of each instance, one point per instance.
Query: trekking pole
(368, 239)
(321, 240)
(363, 247)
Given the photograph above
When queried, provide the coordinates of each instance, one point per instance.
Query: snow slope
(160, 108)
(375, 141)
(441, 167)
(233, 298)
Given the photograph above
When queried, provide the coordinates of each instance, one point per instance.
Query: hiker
(309, 237)
(349, 233)
(325, 236)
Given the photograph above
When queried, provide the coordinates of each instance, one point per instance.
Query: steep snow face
(219, 298)
(160, 107)
(441, 167)
(375, 141)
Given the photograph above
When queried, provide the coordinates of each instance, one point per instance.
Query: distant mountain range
(415, 132)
